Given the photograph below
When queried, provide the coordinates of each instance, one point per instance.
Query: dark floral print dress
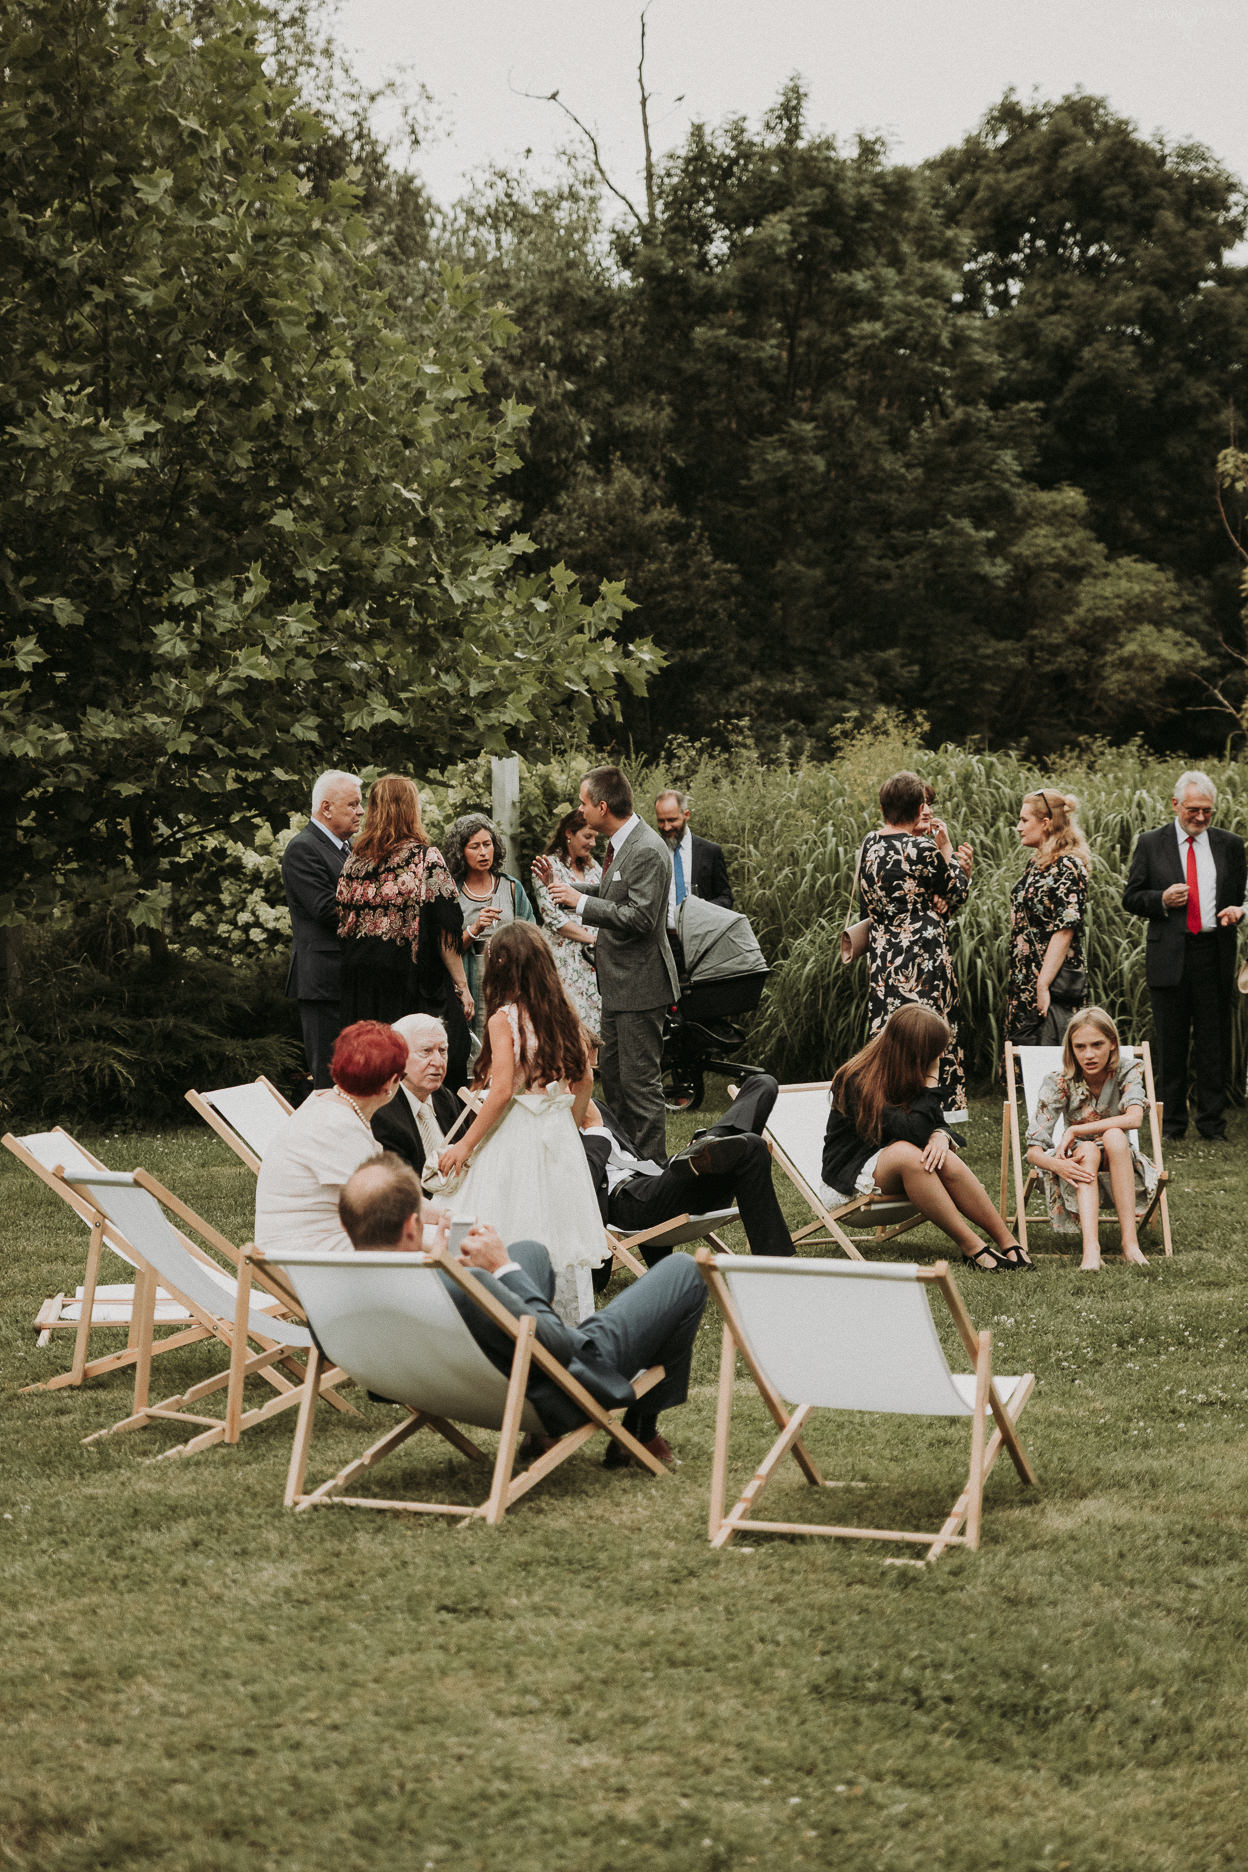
(910, 891)
(1042, 902)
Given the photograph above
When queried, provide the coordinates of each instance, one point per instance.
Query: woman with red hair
(326, 1140)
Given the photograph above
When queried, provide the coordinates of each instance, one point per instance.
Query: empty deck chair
(246, 1116)
(844, 1336)
(1031, 1066)
(795, 1131)
(94, 1304)
(223, 1306)
(388, 1320)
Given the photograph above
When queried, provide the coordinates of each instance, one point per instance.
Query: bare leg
(1122, 1184)
(900, 1166)
(1088, 1196)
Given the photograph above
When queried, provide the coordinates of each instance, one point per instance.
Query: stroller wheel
(683, 1087)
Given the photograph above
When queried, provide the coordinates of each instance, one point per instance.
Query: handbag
(1069, 986)
(855, 936)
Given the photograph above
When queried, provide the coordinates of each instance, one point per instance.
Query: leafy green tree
(248, 525)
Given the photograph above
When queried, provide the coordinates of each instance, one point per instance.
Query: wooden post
(505, 797)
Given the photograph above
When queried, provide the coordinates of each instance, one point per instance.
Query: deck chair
(1030, 1066)
(388, 1320)
(94, 1304)
(831, 1335)
(246, 1116)
(794, 1132)
(224, 1307)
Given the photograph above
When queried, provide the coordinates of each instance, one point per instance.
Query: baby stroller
(722, 973)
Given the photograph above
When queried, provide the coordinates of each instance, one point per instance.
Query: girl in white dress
(521, 1166)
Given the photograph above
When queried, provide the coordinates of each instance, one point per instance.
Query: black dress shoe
(714, 1153)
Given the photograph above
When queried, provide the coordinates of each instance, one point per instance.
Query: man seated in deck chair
(414, 1125)
(653, 1322)
(726, 1165)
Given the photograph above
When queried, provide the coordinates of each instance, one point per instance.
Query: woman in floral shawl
(1099, 1102)
(400, 924)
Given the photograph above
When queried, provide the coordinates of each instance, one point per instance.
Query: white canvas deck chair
(388, 1320)
(95, 1304)
(846, 1336)
(794, 1132)
(246, 1116)
(1031, 1066)
(224, 1307)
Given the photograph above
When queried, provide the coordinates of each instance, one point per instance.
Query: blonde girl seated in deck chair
(1100, 1101)
(886, 1130)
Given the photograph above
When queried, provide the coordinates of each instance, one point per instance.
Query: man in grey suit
(310, 867)
(636, 972)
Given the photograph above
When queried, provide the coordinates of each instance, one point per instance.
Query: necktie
(430, 1133)
(606, 863)
(678, 870)
(1193, 891)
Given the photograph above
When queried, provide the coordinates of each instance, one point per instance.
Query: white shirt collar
(1200, 840)
(618, 838)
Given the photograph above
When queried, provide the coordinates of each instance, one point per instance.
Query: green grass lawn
(195, 1679)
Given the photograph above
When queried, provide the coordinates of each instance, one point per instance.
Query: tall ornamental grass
(791, 829)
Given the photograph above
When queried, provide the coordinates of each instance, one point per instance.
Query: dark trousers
(321, 1027)
(631, 1067)
(1196, 1011)
(653, 1322)
(643, 1201)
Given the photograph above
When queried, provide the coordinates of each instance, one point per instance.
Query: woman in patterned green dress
(1047, 979)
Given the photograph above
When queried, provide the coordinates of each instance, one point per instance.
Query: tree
(247, 525)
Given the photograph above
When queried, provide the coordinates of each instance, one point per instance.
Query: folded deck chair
(224, 1307)
(795, 1131)
(836, 1335)
(388, 1321)
(94, 1304)
(1031, 1066)
(246, 1116)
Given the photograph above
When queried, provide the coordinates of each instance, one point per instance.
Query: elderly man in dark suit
(1188, 880)
(416, 1122)
(310, 867)
(653, 1322)
(698, 868)
(636, 972)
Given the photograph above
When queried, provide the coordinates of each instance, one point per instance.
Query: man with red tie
(1189, 881)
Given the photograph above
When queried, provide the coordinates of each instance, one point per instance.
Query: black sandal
(1015, 1257)
(993, 1264)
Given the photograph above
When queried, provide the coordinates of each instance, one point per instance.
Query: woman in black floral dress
(910, 881)
(1046, 921)
(400, 924)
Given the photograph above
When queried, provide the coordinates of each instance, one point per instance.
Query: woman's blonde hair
(1089, 1017)
(1065, 835)
(391, 818)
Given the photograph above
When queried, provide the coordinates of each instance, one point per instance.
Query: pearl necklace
(339, 1093)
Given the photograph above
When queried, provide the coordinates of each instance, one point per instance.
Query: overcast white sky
(922, 76)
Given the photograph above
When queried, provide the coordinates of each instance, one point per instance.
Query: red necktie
(606, 863)
(1193, 891)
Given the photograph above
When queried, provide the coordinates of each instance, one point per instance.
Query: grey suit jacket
(310, 867)
(635, 966)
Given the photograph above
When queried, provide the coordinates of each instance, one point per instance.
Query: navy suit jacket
(310, 867)
(1155, 864)
(710, 873)
(395, 1127)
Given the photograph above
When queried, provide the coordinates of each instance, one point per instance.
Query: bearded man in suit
(310, 867)
(698, 867)
(636, 972)
(416, 1122)
(1188, 879)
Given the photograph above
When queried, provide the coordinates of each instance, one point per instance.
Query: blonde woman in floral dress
(400, 923)
(571, 852)
(1047, 905)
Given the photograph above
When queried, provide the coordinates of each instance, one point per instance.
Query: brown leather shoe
(533, 1445)
(617, 1457)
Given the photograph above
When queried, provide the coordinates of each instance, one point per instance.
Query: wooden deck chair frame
(1026, 1177)
(893, 1215)
(242, 1146)
(506, 1487)
(966, 1511)
(183, 1270)
(98, 1307)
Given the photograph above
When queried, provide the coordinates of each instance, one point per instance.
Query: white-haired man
(310, 867)
(414, 1125)
(1188, 879)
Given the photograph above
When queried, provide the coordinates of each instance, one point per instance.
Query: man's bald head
(377, 1201)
